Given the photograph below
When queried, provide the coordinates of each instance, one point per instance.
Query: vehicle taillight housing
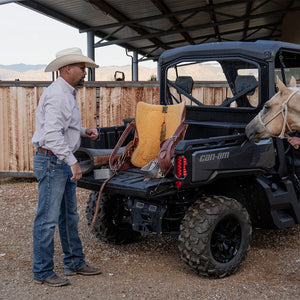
(181, 162)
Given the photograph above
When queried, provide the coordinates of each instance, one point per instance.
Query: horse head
(280, 114)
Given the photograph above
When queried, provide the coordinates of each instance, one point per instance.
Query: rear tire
(109, 225)
(215, 236)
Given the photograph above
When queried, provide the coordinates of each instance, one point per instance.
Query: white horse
(279, 116)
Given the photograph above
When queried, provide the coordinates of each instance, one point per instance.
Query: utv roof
(260, 49)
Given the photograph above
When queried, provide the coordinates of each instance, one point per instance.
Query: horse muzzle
(255, 131)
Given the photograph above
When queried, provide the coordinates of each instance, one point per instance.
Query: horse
(279, 116)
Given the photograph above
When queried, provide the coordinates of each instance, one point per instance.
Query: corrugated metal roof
(152, 26)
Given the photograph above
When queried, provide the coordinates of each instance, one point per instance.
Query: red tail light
(179, 166)
(181, 162)
(184, 166)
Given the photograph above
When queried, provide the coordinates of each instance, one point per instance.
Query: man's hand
(76, 171)
(92, 133)
(294, 141)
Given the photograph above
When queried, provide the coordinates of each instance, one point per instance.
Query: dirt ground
(149, 269)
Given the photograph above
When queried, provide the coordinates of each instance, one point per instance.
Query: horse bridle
(284, 112)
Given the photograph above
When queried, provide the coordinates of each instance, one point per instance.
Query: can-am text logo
(213, 156)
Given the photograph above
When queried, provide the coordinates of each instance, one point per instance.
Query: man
(56, 138)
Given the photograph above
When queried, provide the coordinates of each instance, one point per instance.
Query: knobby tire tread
(196, 230)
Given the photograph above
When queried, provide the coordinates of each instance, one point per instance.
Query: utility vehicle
(222, 184)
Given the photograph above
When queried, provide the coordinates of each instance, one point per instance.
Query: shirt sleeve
(82, 131)
(58, 113)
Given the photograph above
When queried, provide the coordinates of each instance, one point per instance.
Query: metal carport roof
(151, 26)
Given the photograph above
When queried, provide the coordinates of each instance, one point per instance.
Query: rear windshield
(223, 83)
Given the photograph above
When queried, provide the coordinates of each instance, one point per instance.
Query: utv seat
(186, 83)
(246, 83)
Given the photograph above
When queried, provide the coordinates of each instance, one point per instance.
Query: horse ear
(293, 82)
(280, 84)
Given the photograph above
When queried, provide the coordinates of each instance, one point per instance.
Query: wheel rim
(226, 239)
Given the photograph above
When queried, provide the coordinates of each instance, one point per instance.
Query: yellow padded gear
(154, 123)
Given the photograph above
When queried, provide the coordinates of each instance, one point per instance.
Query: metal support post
(135, 66)
(91, 54)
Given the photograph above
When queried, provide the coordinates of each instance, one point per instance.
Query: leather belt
(46, 151)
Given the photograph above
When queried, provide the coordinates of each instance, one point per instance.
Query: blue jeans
(57, 206)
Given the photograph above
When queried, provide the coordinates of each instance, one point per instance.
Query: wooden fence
(101, 104)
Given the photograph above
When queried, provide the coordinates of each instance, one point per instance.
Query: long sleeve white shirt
(58, 121)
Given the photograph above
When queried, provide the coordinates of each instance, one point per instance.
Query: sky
(31, 38)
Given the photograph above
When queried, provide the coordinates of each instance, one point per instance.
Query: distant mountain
(22, 67)
(9, 74)
(198, 72)
(102, 74)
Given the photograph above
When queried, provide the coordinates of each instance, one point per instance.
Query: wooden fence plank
(13, 125)
(91, 107)
(4, 130)
(109, 97)
(19, 125)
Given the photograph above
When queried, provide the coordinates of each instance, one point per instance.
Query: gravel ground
(148, 269)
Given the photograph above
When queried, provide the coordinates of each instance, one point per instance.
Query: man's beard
(80, 82)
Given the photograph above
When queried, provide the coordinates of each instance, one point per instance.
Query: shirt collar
(70, 89)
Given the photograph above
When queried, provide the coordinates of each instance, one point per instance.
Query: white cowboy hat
(67, 57)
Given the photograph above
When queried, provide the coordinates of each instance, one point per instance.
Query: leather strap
(115, 165)
(166, 152)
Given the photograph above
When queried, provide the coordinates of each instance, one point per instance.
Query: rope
(98, 200)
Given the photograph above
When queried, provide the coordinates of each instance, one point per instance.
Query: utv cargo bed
(131, 182)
